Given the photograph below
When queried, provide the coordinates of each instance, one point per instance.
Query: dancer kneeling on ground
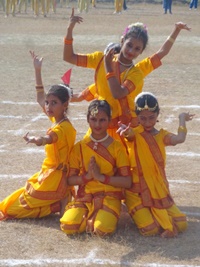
(99, 165)
(45, 190)
(149, 201)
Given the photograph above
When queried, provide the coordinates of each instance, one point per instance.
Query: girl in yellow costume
(149, 201)
(99, 165)
(117, 79)
(46, 189)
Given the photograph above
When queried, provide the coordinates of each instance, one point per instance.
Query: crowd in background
(44, 7)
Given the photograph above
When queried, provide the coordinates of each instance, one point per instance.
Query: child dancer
(149, 201)
(117, 78)
(44, 192)
(99, 165)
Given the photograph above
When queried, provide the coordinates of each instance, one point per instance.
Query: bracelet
(107, 179)
(127, 134)
(170, 39)
(68, 41)
(39, 88)
(110, 75)
(182, 129)
(84, 179)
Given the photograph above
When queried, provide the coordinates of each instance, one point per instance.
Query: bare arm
(182, 130)
(38, 140)
(166, 47)
(116, 181)
(116, 89)
(68, 52)
(77, 98)
(79, 180)
(37, 63)
(125, 131)
(94, 174)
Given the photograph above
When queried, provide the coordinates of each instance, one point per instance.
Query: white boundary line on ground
(89, 259)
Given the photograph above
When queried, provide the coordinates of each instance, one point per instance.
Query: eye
(142, 118)
(92, 118)
(129, 45)
(138, 49)
(152, 118)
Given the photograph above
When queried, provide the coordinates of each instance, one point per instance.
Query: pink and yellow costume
(96, 207)
(43, 191)
(123, 109)
(149, 201)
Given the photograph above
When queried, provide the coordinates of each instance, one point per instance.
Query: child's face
(148, 119)
(54, 107)
(99, 123)
(132, 48)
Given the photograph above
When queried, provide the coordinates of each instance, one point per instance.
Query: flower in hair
(138, 25)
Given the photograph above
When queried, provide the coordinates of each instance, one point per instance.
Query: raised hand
(37, 62)
(74, 19)
(186, 116)
(182, 26)
(95, 169)
(108, 57)
(123, 129)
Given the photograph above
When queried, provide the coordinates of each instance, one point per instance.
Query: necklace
(98, 141)
(125, 65)
(56, 123)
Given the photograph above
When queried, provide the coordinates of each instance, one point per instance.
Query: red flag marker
(66, 77)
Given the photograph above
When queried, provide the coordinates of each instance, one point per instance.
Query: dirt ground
(176, 84)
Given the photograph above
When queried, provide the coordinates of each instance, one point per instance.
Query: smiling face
(99, 124)
(131, 49)
(148, 119)
(54, 107)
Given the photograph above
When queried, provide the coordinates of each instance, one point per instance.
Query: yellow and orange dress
(43, 192)
(96, 207)
(123, 109)
(149, 201)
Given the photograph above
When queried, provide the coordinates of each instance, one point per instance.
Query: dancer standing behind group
(149, 201)
(99, 165)
(45, 191)
(117, 79)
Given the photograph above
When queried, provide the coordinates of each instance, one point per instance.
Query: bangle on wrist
(182, 129)
(126, 134)
(39, 88)
(68, 41)
(170, 39)
(110, 75)
(107, 179)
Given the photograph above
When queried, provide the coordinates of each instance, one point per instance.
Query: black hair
(138, 31)
(99, 105)
(146, 101)
(62, 91)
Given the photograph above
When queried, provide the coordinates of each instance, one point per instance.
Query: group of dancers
(120, 160)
